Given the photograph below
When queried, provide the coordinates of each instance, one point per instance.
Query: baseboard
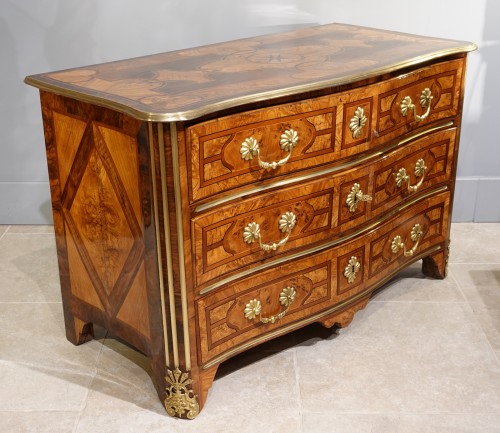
(476, 199)
(25, 203)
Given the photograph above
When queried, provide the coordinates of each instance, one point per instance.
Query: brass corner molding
(180, 400)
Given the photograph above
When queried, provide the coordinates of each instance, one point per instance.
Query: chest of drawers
(210, 199)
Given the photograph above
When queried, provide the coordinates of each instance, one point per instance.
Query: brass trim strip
(180, 242)
(325, 171)
(158, 243)
(234, 102)
(322, 247)
(168, 246)
(311, 319)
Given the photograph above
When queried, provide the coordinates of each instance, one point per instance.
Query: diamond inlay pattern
(103, 220)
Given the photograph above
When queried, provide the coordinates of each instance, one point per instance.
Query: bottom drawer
(242, 313)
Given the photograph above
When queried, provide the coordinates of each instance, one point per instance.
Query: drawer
(328, 129)
(289, 293)
(221, 149)
(232, 237)
(418, 98)
(411, 169)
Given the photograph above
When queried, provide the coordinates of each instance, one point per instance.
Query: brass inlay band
(319, 173)
(327, 245)
(242, 100)
(311, 319)
(251, 233)
(254, 307)
(180, 242)
(168, 247)
(158, 243)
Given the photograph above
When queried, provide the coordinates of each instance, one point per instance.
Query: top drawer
(243, 148)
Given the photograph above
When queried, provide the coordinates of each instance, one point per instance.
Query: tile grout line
(4, 233)
(475, 316)
(297, 391)
(85, 401)
(28, 233)
(30, 302)
(419, 302)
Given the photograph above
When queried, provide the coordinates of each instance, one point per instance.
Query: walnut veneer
(210, 199)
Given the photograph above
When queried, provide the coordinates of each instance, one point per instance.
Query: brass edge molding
(314, 318)
(326, 246)
(180, 242)
(319, 173)
(234, 102)
(158, 242)
(168, 245)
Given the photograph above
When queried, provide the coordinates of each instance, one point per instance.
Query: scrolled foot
(436, 265)
(180, 400)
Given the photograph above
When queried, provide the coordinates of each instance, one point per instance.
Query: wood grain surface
(188, 83)
(319, 205)
(322, 125)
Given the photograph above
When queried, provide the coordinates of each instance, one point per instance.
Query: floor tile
(34, 335)
(28, 269)
(480, 285)
(403, 357)
(32, 229)
(260, 397)
(3, 229)
(476, 275)
(38, 422)
(475, 243)
(30, 386)
(411, 285)
(400, 423)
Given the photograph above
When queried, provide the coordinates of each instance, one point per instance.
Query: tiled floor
(423, 357)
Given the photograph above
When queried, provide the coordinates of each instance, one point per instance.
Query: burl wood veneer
(211, 199)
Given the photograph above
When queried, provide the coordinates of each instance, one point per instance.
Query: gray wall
(42, 35)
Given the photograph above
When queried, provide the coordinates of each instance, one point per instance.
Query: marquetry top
(186, 84)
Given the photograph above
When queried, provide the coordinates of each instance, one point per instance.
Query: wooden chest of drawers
(211, 199)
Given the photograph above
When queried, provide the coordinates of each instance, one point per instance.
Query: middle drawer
(231, 238)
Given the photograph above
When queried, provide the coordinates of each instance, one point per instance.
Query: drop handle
(254, 307)
(402, 176)
(250, 148)
(415, 236)
(407, 105)
(252, 233)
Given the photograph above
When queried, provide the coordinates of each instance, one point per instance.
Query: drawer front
(328, 129)
(233, 237)
(419, 98)
(292, 292)
(221, 156)
(365, 193)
